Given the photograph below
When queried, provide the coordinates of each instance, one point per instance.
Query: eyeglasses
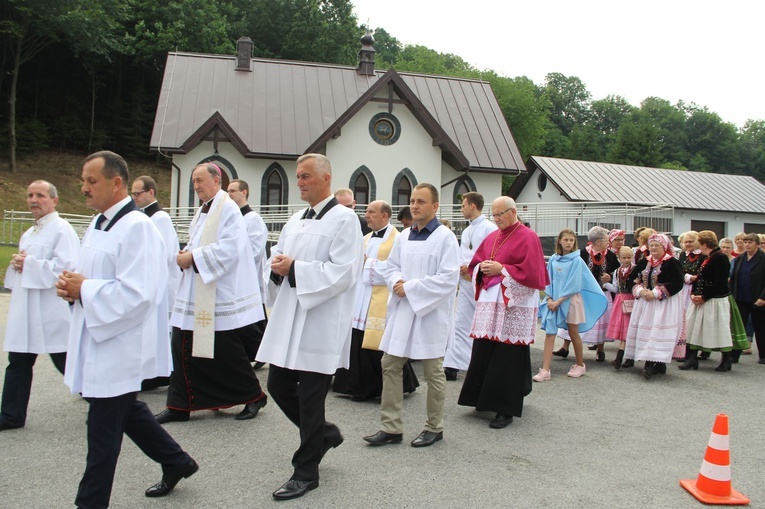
(500, 214)
(138, 193)
(231, 191)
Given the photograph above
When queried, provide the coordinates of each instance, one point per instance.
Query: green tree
(569, 101)
(713, 140)
(752, 137)
(637, 142)
(416, 58)
(670, 120)
(387, 48)
(30, 26)
(523, 109)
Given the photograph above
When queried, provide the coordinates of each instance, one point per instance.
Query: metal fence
(547, 219)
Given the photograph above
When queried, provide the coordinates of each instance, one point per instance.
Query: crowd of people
(353, 302)
(659, 303)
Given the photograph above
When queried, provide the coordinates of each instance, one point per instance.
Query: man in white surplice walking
(314, 269)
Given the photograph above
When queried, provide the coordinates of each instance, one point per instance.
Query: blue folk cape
(569, 275)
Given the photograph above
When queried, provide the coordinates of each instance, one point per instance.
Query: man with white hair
(344, 197)
(38, 321)
(509, 271)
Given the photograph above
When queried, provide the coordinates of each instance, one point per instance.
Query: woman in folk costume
(641, 236)
(574, 301)
(691, 259)
(616, 239)
(620, 312)
(712, 324)
(601, 262)
(656, 324)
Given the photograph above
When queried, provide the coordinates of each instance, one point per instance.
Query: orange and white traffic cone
(713, 485)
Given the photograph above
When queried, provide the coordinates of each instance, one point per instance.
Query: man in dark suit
(118, 334)
(748, 288)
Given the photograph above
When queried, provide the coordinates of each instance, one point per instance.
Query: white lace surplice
(506, 312)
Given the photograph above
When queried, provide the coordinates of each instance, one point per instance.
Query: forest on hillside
(82, 75)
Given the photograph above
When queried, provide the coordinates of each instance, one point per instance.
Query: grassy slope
(63, 170)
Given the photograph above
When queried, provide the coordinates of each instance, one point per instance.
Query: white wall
(531, 193)
(734, 221)
(355, 147)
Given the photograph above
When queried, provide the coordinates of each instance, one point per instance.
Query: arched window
(228, 173)
(404, 192)
(274, 186)
(361, 190)
(364, 187)
(463, 185)
(274, 189)
(402, 187)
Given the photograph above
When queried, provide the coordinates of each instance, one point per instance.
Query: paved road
(610, 439)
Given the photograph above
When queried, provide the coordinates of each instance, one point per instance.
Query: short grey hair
(323, 165)
(597, 233)
(52, 191)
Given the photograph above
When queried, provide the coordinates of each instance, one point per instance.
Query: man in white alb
(314, 269)
(38, 321)
(458, 352)
(422, 275)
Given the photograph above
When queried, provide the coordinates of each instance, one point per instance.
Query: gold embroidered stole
(204, 294)
(378, 306)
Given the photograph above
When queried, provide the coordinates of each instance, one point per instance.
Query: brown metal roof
(283, 108)
(606, 182)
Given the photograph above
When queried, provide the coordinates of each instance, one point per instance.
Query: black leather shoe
(600, 356)
(294, 489)
(4, 426)
(170, 478)
(332, 443)
(704, 356)
(761, 361)
(592, 347)
(451, 374)
(501, 421)
(170, 415)
(382, 438)
(427, 438)
(251, 409)
(258, 365)
(562, 352)
(628, 363)
(649, 370)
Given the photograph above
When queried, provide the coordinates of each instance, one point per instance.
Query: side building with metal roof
(674, 201)
(383, 131)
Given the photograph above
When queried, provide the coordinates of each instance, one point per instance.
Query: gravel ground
(608, 439)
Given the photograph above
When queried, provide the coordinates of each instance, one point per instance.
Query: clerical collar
(206, 206)
(320, 206)
(112, 211)
(381, 232)
(477, 220)
(39, 223)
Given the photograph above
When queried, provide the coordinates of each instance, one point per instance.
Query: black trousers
(747, 309)
(18, 385)
(301, 395)
(108, 420)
